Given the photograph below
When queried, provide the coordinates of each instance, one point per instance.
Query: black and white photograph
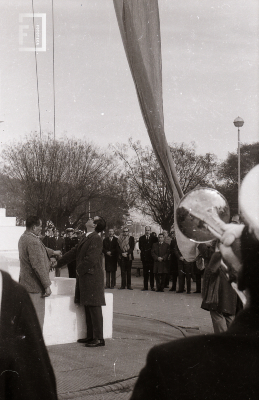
(129, 200)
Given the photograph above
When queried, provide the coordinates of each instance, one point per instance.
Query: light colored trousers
(221, 321)
(39, 305)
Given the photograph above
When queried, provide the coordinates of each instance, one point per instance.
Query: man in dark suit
(160, 253)
(220, 366)
(125, 248)
(145, 245)
(70, 242)
(184, 270)
(110, 254)
(90, 279)
(56, 243)
(173, 266)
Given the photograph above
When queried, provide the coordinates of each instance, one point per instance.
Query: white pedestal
(64, 320)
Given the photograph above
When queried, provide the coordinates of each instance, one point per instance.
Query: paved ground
(141, 320)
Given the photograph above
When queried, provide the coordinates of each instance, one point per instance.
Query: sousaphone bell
(202, 214)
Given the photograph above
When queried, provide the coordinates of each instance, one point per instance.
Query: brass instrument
(202, 214)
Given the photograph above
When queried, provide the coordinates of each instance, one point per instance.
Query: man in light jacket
(35, 264)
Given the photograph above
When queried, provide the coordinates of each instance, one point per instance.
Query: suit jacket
(130, 251)
(110, 261)
(217, 293)
(56, 244)
(145, 246)
(88, 256)
(163, 250)
(216, 367)
(25, 367)
(34, 262)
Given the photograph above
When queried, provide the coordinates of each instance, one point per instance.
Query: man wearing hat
(70, 242)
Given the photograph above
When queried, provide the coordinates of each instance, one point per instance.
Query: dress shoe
(130, 288)
(95, 343)
(172, 289)
(112, 287)
(143, 290)
(120, 288)
(157, 290)
(188, 292)
(85, 340)
(179, 291)
(107, 287)
(153, 289)
(197, 291)
(166, 287)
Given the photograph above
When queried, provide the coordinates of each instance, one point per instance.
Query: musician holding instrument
(224, 365)
(218, 296)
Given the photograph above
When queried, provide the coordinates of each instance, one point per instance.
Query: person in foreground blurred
(216, 366)
(25, 368)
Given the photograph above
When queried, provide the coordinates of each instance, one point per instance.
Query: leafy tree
(54, 179)
(147, 184)
(228, 172)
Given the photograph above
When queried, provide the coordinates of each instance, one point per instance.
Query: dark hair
(31, 221)
(161, 234)
(100, 224)
(81, 227)
(249, 274)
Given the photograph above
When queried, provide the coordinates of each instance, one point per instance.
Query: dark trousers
(148, 273)
(184, 272)
(125, 272)
(167, 279)
(160, 282)
(110, 279)
(72, 269)
(94, 322)
(198, 282)
(174, 279)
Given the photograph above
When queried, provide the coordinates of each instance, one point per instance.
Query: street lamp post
(238, 122)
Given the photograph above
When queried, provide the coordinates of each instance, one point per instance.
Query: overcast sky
(210, 56)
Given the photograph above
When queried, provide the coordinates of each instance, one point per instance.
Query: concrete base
(64, 320)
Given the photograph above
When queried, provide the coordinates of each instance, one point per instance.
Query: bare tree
(54, 178)
(147, 184)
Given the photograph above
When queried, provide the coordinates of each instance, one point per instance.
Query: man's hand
(109, 253)
(47, 292)
(160, 259)
(230, 248)
(125, 254)
(231, 233)
(53, 263)
(58, 254)
(181, 258)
